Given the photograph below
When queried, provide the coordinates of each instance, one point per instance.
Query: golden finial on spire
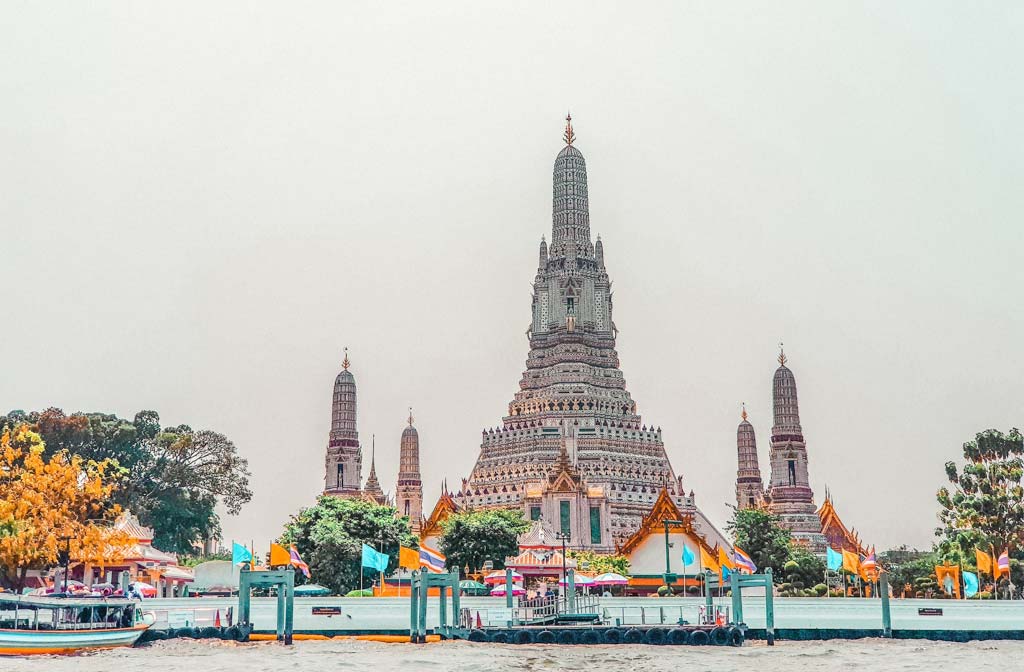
(410, 416)
(345, 363)
(782, 355)
(744, 413)
(568, 136)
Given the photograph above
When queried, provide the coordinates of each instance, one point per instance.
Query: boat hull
(32, 642)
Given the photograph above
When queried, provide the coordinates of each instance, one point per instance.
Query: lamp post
(669, 577)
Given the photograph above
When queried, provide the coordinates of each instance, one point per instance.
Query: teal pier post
(424, 591)
(244, 596)
(414, 611)
(289, 611)
(709, 603)
(570, 580)
(769, 607)
(508, 587)
(442, 591)
(883, 592)
(456, 601)
(737, 597)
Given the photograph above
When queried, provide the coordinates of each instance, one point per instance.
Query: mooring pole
(424, 593)
(571, 581)
(279, 625)
(883, 592)
(456, 601)
(737, 597)
(709, 603)
(769, 607)
(414, 591)
(243, 596)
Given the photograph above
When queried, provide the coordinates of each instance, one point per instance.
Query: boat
(58, 624)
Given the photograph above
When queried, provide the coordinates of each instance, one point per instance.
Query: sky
(202, 204)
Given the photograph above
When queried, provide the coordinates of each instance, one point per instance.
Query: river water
(321, 656)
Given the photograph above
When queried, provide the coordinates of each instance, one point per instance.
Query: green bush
(820, 590)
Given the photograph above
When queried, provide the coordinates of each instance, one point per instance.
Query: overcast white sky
(202, 203)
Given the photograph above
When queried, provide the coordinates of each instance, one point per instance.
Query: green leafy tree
(330, 536)
(911, 572)
(469, 538)
(803, 569)
(600, 563)
(984, 506)
(173, 478)
(761, 536)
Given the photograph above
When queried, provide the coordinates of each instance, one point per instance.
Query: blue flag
(835, 559)
(239, 554)
(373, 559)
(688, 557)
(970, 584)
(725, 571)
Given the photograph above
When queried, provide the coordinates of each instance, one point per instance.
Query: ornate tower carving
(409, 494)
(749, 486)
(371, 490)
(572, 389)
(344, 463)
(789, 492)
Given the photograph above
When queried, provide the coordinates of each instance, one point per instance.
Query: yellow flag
(984, 561)
(724, 560)
(851, 561)
(409, 558)
(709, 562)
(279, 556)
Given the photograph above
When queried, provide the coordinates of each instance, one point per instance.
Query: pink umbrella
(144, 589)
(499, 591)
(499, 577)
(610, 579)
(579, 580)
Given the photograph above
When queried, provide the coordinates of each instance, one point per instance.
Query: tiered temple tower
(789, 492)
(573, 390)
(409, 494)
(344, 462)
(749, 486)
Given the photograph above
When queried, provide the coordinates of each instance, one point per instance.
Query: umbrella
(144, 589)
(474, 587)
(579, 580)
(499, 577)
(499, 591)
(104, 588)
(311, 590)
(610, 579)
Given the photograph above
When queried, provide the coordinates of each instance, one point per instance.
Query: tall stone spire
(789, 491)
(409, 494)
(570, 212)
(344, 459)
(372, 490)
(749, 486)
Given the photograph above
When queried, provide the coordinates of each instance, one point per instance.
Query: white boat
(32, 624)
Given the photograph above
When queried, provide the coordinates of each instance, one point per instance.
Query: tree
(44, 500)
(329, 536)
(804, 571)
(761, 537)
(984, 508)
(600, 563)
(910, 567)
(469, 538)
(173, 478)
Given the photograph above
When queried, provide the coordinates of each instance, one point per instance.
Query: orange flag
(725, 561)
(709, 562)
(851, 562)
(408, 558)
(984, 561)
(279, 556)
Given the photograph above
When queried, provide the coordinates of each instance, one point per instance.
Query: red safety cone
(479, 623)
(216, 621)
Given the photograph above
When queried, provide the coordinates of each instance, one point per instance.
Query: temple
(572, 448)
(836, 533)
(749, 486)
(344, 461)
(789, 492)
(409, 493)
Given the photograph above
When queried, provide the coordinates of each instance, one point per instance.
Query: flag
(708, 561)
(984, 562)
(239, 554)
(743, 561)
(970, 584)
(851, 561)
(834, 558)
(432, 560)
(278, 556)
(408, 558)
(373, 559)
(688, 557)
(296, 560)
(1003, 564)
(726, 563)
(869, 567)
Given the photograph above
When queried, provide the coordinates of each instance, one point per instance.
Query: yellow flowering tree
(44, 500)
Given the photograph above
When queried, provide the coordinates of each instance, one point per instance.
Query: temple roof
(444, 507)
(538, 536)
(664, 509)
(834, 529)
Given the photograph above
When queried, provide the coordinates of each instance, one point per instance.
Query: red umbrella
(499, 577)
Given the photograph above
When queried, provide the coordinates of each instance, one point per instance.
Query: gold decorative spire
(345, 363)
(782, 355)
(410, 416)
(568, 136)
(744, 413)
